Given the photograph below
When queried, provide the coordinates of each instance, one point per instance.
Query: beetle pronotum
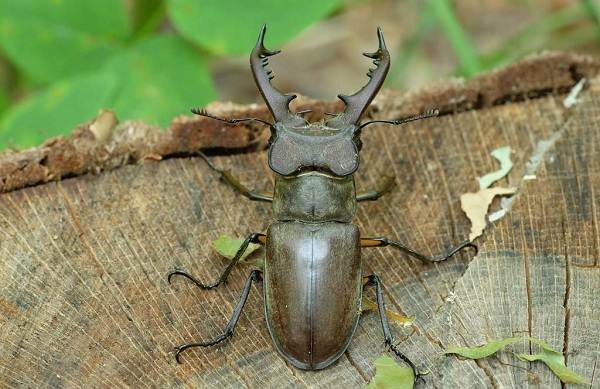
(312, 247)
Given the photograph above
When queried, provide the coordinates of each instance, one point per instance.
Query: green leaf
(231, 27)
(56, 110)
(388, 374)
(146, 16)
(553, 359)
(228, 247)
(153, 81)
(159, 78)
(54, 39)
(482, 351)
(4, 99)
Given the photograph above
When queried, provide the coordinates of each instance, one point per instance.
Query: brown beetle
(312, 275)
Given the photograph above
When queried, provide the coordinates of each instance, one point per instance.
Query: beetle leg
(388, 182)
(382, 242)
(252, 238)
(236, 184)
(230, 327)
(373, 279)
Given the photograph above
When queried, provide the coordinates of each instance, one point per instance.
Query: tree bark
(84, 299)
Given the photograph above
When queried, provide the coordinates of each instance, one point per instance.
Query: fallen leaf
(228, 247)
(505, 206)
(499, 214)
(552, 358)
(370, 305)
(541, 149)
(475, 206)
(555, 361)
(503, 156)
(388, 374)
(479, 352)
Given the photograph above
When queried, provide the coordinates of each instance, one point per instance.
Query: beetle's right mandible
(277, 102)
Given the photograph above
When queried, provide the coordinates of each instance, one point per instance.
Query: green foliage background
(72, 57)
(63, 60)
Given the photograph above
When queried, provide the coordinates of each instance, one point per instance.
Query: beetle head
(331, 146)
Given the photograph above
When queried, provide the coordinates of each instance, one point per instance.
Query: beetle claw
(191, 278)
(394, 349)
(181, 348)
(178, 351)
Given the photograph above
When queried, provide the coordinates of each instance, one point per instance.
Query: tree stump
(91, 224)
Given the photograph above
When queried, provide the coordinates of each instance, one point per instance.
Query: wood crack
(356, 367)
(527, 272)
(567, 310)
(487, 371)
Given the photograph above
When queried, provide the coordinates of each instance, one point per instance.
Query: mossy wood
(84, 298)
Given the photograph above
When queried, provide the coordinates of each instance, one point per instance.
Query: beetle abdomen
(312, 287)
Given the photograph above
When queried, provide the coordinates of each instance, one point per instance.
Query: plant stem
(462, 45)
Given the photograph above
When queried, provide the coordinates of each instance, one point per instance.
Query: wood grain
(84, 299)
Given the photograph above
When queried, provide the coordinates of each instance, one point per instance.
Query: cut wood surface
(84, 299)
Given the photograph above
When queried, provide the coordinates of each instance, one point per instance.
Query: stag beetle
(313, 281)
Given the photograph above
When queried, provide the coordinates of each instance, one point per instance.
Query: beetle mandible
(312, 276)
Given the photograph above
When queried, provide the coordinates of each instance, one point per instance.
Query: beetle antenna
(424, 115)
(203, 112)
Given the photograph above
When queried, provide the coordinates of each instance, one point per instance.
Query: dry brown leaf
(475, 206)
(368, 305)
